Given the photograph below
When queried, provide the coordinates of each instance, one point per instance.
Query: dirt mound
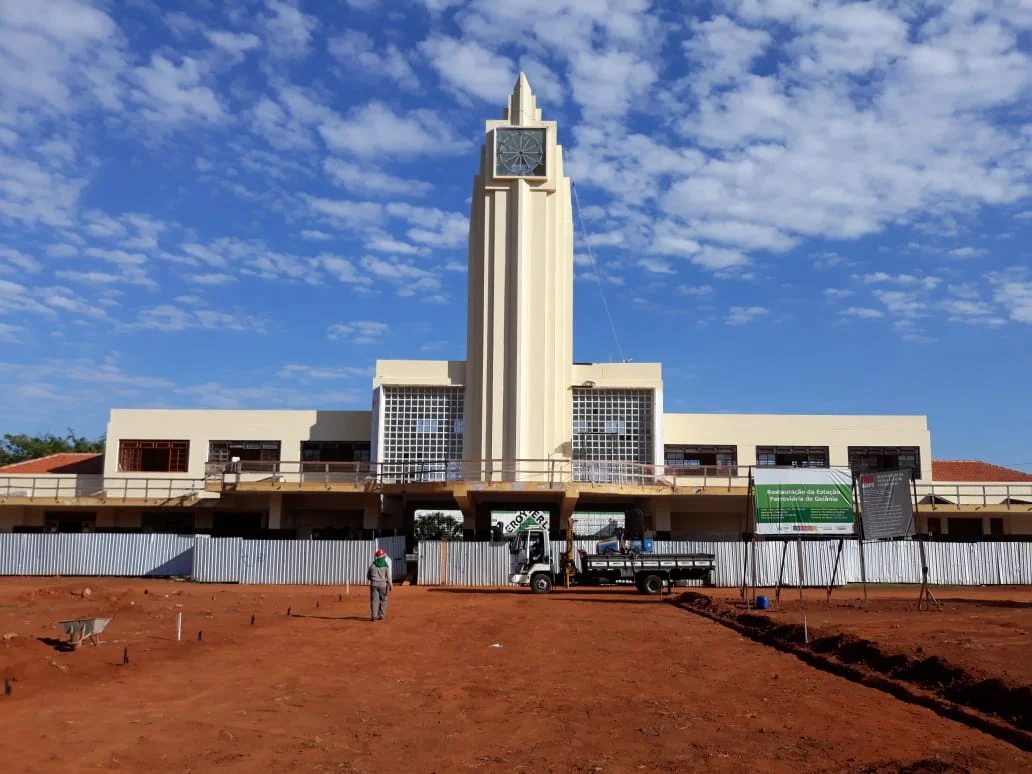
(952, 683)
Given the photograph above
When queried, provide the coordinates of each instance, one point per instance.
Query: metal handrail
(551, 472)
(59, 487)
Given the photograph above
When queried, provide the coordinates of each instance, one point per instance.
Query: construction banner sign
(513, 522)
(804, 501)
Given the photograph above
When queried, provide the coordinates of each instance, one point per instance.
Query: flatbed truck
(631, 562)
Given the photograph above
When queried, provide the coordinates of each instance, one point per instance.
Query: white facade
(518, 397)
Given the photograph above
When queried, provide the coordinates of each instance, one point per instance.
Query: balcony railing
(542, 472)
(473, 473)
(67, 487)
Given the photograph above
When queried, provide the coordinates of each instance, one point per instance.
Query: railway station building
(517, 426)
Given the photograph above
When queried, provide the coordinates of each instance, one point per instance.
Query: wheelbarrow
(84, 629)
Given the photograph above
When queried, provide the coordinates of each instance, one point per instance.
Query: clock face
(520, 152)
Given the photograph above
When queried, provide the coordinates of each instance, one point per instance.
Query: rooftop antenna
(594, 269)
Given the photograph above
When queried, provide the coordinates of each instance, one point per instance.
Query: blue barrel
(762, 603)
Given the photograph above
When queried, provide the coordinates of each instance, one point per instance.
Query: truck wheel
(652, 585)
(540, 583)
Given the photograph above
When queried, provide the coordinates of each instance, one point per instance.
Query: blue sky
(795, 205)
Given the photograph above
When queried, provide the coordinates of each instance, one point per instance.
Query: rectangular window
(964, 528)
(247, 451)
(934, 525)
(335, 451)
(698, 459)
(616, 427)
(426, 425)
(792, 456)
(870, 459)
(138, 456)
(996, 527)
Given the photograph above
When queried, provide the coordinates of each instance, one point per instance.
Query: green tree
(21, 447)
(438, 526)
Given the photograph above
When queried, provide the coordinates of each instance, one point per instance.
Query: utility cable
(594, 268)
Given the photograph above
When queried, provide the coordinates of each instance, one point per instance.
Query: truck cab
(531, 560)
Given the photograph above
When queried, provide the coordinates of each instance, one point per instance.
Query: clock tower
(519, 334)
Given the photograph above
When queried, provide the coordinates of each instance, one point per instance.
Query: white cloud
(32, 194)
(470, 68)
(375, 128)
(12, 260)
(12, 334)
(863, 311)
(354, 213)
(171, 94)
(968, 252)
(57, 56)
(307, 373)
(695, 290)
(211, 279)
(656, 266)
(901, 303)
(903, 280)
(357, 52)
(719, 258)
(236, 44)
(740, 315)
(168, 317)
(834, 293)
(313, 235)
(359, 332)
(1012, 289)
(725, 50)
(288, 30)
(408, 279)
(341, 269)
(431, 226)
(363, 178)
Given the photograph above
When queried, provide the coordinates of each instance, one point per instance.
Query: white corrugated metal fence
(330, 562)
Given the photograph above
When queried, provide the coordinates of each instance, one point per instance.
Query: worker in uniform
(379, 576)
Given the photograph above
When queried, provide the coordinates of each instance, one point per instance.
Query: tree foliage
(438, 526)
(21, 447)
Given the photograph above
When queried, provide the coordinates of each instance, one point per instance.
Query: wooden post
(860, 535)
(802, 565)
(745, 568)
(834, 570)
(781, 573)
(444, 562)
(754, 571)
(925, 598)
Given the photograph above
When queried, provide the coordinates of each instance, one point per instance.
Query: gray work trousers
(377, 602)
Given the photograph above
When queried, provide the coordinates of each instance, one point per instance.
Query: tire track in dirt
(929, 682)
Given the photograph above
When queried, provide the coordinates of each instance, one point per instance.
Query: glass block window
(613, 425)
(422, 428)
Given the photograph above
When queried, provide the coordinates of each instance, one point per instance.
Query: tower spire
(523, 107)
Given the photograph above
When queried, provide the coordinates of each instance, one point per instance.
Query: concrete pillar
(276, 511)
(11, 516)
(371, 513)
(660, 516)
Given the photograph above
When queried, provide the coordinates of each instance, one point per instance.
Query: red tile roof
(63, 462)
(975, 470)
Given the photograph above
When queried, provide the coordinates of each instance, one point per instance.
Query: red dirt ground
(592, 681)
(985, 631)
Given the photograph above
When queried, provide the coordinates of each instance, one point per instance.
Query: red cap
(380, 552)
